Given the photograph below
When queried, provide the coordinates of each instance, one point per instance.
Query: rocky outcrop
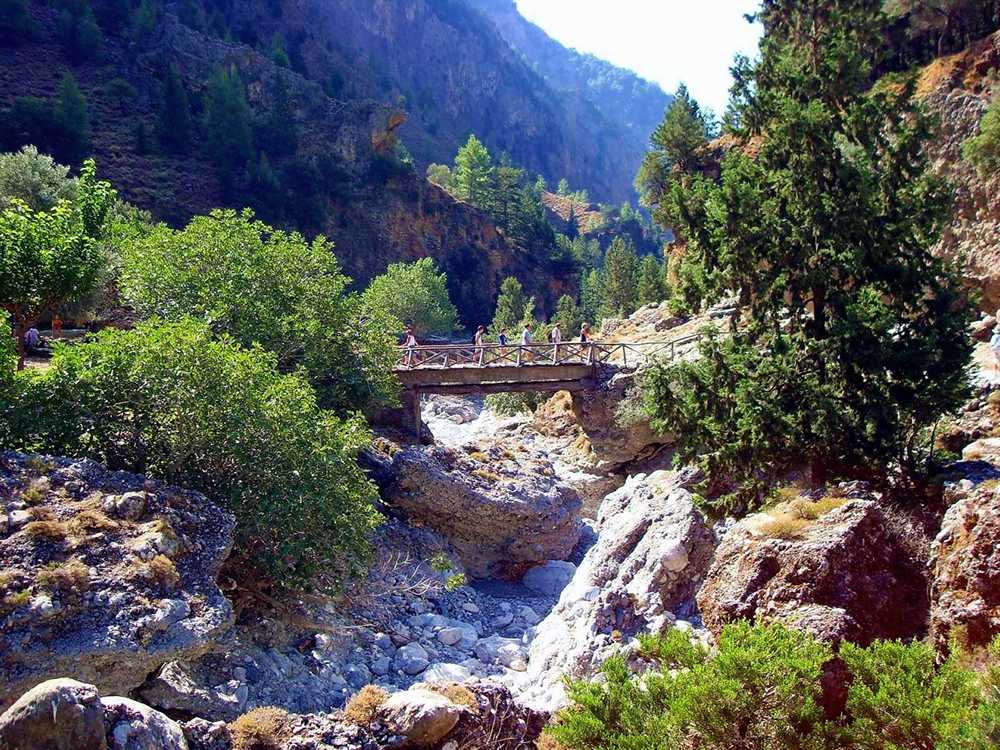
(965, 568)
(846, 574)
(652, 550)
(500, 510)
(104, 576)
(55, 715)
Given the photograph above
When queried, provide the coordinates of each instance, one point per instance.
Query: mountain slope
(634, 105)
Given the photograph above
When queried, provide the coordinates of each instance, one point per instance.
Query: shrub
(983, 149)
(298, 308)
(364, 704)
(764, 690)
(813, 509)
(782, 526)
(70, 577)
(259, 729)
(457, 694)
(172, 402)
(35, 179)
(47, 530)
(414, 293)
(162, 573)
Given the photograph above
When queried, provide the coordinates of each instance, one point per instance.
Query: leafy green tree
(620, 280)
(72, 119)
(299, 308)
(513, 307)
(416, 294)
(473, 173)
(850, 340)
(176, 403)
(227, 124)
(651, 286)
(568, 316)
(81, 36)
(35, 179)
(174, 123)
(441, 175)
(983, 149)
(592, 296)
(49, 257)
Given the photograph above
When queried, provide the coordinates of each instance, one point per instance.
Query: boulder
(446, 673)
(411, 659)
(652, 551)
(982, 329)
(175, 689)
(58, 714)
(845, 575)
(423, 717)
(549, 579)
(965, 569)
(130, 579)
(134, 726)
(985, 449)
(207, 735)
(498, 513)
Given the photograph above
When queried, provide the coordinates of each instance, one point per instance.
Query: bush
(414, 293)
(35, 179)
(983, 150)
(170, 401)
(764, 689)
(268, 288)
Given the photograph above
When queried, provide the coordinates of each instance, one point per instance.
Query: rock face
(965, 569)
(652, 550)
(846, 575)
(105, 576)
(56, 715)
(497, 511)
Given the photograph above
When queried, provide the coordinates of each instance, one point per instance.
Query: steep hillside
(342, 176)
(634, 105)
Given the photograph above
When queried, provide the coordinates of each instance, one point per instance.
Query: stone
(412, 659)
(550, 578)
(450, 636)
(133, 726)
(357, 676)
(207, 735)
(627, 583)
(512, 655)
(495, 518)
(848, 575)
(446, 673)
(381, 666)
(422, 716)
(982, 329)
(985, 449)
(59, 714)
(174, 688)
(965, 570)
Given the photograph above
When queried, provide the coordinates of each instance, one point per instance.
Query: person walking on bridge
(477, 343)
(525, 343)
(555, 336)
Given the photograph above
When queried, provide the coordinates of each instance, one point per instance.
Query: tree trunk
(817, 472)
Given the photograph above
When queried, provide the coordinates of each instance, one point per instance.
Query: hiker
(32, 339)
(585, 333)
(56, 326)
(409, 340)
(555, 336)
(995, 343)
(477, 342)
(525, 342)
(502, 338)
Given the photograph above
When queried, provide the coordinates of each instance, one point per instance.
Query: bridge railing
(593, 353)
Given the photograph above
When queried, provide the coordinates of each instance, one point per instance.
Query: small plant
(456, 582)
(457, 694)
(811, 510)
(479, 456)
(71, 577)
(92, 520)
(486, 475)
(38, 466)
(783, 526)
(259, 729)
(47, 530)
(441, 563)
(364, 704)
(16, 599)
(162, 572)
(33, 494)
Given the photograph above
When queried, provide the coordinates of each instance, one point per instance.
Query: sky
(665, 41)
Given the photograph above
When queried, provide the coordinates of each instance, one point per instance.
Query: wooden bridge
(462, 369)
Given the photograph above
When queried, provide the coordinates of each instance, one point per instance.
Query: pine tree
(174, 123)
(227, 125)
(72, 119)
(650, 286)
(563, 188)
(620, 280)
(506, 195)
(851, 337)
(592, 296)
(473, 173)
(572, 227)
(568, 316)
(512, 307)
(280, 133)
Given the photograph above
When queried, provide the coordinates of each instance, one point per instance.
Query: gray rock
(446, 673)
(450, 636)
(412, 659)
(422, 716)
(58, 714)
(549, 579)
(175, 688)
(206, 735)
(357, 676)
(381, 666)
(134, 726)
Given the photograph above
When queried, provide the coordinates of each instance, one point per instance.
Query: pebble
(471, 608)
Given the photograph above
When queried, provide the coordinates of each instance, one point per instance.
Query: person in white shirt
(555, 336)
(525, 341)
(995, 343)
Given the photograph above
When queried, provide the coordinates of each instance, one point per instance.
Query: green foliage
(174, 121)
(983, 150)
(441, 175)
(769, 687)
(592, 296)
(651, 286)
(620, 280)
(568, 316)
(176, 403)
(851, 339)
(512, 404)
(49, 257)
(35, 179)
(269, 288)
(228, 135)
(120, 91)
(473, 173)
(513, 308)
(279, 134)
(81, 36)
(415, 294)
(72, 118)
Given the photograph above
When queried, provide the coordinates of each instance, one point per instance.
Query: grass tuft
(457, 694)
(71, 577)
(783, 526)
(259, 729)
(364, 704)
(487, 475)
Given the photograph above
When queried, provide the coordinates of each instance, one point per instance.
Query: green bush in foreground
(172, 402)
(764, 690)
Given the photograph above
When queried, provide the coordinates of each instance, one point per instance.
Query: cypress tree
(174, 124)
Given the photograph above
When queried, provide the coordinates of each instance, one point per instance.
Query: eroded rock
(60, 714)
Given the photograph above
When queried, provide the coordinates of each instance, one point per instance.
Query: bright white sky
(666, 41)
